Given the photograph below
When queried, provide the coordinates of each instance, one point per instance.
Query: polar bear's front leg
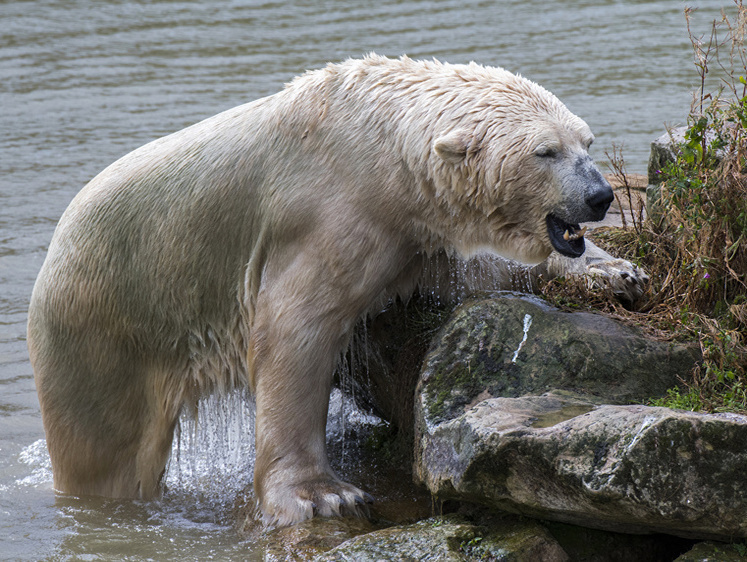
(296, 339)
(626, 280)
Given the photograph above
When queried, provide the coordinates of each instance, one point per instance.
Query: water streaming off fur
(212, 457)
(82, 83)
(213, 451)
(451, 279)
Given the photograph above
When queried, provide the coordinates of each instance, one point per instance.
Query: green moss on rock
(513, 346)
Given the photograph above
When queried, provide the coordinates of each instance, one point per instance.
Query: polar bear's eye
(547, 151)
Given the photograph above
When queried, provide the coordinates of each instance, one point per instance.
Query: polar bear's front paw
(626, 280)
(288, 504)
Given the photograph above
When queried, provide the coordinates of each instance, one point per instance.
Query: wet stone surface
(454, 538)
(526, 417)
(513, 346)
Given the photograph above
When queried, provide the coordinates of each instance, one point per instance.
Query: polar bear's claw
(293, 504)
(626, 280)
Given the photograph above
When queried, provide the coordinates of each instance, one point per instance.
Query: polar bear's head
(523, 161)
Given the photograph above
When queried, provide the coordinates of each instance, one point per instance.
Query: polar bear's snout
(588, 196)
(598, 195)
(599, 201)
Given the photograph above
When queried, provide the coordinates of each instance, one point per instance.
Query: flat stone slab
(630, 469)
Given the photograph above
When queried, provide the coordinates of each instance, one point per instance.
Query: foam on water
(37, 458)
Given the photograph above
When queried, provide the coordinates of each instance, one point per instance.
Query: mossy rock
(515, 345)
(453, 538)
(629, 469)
(715, 552)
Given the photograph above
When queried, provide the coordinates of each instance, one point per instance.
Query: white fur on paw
(291, 504)
(625, 279)
(289, 511)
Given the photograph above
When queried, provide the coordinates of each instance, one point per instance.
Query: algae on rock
(513, 345)
(453, 538)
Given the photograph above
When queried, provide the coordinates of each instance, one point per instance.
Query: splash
(213, 451)
(36, 456)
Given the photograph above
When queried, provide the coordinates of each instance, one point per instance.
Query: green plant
(679, 400)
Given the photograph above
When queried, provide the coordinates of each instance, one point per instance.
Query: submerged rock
(312, 538)
(453, 538)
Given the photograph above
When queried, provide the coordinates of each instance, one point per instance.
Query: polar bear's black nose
(600, 201)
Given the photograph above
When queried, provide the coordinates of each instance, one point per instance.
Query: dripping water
(212, 456)
(345, 419)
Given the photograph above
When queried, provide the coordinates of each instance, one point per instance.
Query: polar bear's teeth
(575, 235)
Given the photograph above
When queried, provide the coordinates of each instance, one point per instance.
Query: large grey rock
(452, 538)
(514, 345)
(633, 469)
(514, 410)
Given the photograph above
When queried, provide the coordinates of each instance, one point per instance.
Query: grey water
(83, 82)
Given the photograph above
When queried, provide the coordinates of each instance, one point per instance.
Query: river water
(83, 82)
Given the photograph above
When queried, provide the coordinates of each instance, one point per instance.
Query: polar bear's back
(158, 241)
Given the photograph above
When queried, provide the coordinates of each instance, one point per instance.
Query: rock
(386, 357)
(515, 410)
(453, 538)
(715, 552)
(631, 469)
(665, 148)
(514, 345)
(311, 538)
(663, 153)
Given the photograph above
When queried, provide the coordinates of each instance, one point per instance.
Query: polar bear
(242, 250)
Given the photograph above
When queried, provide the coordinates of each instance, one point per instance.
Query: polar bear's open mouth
(566, 238)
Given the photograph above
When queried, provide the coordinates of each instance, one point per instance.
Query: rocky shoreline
(521, 457)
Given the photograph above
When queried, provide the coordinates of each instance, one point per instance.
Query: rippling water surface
(83, 82)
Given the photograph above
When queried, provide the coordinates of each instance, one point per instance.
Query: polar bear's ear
(453, 146)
